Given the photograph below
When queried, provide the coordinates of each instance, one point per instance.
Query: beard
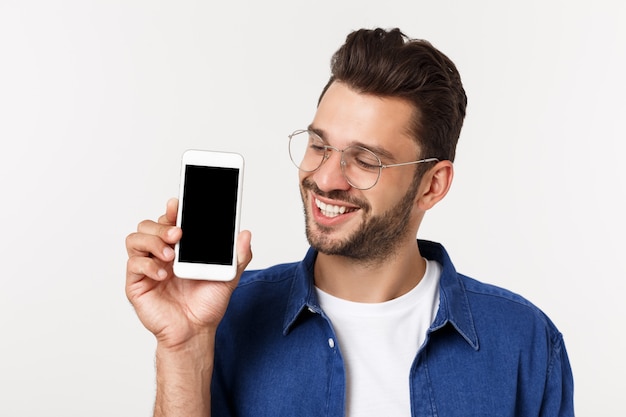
(377, 237)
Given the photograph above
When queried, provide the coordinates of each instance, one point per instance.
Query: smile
(330, 210)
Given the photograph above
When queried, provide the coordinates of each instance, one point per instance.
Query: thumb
(244, 250)
(244, 256)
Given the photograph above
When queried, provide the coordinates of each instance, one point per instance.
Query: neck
(370, 282)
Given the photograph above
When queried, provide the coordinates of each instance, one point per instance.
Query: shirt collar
(302, 298)
(454, 307)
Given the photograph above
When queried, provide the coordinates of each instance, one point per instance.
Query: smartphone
(208, 214)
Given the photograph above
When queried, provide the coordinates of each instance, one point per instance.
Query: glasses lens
(306, 150)
(361, 167)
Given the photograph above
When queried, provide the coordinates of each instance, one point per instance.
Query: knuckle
(129, 239)
(144, 224)
(140, 266)
(132, 265)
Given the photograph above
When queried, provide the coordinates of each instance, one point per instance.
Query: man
(370, 323)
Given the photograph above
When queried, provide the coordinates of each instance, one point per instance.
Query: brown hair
(388, 63)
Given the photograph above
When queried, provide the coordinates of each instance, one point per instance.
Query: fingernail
(168, 253)
(162, 273)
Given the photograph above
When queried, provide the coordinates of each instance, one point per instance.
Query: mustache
(339, 195)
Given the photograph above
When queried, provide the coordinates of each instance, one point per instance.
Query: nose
(330, 176)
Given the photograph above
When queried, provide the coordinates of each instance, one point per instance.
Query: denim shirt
(489, 352)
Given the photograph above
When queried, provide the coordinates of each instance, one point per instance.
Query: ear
(435, 185)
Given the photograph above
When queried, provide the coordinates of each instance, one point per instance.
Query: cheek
(302, 176)
(387, 194)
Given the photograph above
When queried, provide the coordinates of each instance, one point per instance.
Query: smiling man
(371, 322)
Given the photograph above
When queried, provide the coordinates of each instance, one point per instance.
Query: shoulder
(274, 274)
(488, 293)
(500, 308)
(482, 289)
(263, 289)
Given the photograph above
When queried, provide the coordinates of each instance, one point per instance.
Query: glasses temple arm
(410, 163)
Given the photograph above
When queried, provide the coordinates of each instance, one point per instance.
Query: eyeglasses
(360, 166)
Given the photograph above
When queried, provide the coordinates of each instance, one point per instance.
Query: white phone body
(208, 213)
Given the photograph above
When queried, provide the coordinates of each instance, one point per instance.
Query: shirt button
(311, 309)
(331, 342)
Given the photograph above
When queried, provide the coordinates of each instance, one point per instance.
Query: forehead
(345, 117)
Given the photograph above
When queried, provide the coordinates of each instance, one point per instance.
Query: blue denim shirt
(488, 352)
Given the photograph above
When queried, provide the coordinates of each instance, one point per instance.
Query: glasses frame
(343, 163)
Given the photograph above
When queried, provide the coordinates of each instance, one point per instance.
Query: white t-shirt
(378, 343)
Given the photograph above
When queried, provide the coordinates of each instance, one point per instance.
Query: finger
(146, 245)
(171, 211)
(139, 267)
(169, 234)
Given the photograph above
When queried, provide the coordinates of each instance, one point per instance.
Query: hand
(175, 310)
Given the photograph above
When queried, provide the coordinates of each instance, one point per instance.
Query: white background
(98, 99)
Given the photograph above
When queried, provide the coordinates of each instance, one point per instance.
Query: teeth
(330, 210)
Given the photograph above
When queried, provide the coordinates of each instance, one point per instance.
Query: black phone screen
(208, 215)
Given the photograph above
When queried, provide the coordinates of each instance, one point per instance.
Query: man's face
(362, 224)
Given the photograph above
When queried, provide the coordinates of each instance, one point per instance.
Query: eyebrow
(381, 152)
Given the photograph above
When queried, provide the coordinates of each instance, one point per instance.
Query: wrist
(176, 338)
(196, 346)
(184, 373)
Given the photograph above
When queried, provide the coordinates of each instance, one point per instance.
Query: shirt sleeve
(558, 398)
